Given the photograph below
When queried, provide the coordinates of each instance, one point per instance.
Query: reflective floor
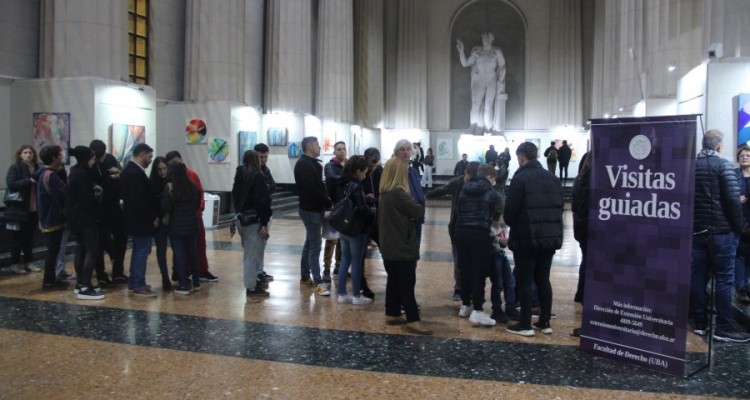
(217, 344)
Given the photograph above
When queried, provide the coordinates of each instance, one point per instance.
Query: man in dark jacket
(551, 154)
(717, 221)
(453, 188)
(460, 167)
(313, 201)
(50, 200)
(490, 156)
(141, 212)
(263, 150)
(332, 172)
(478, 206)
(563, 156)
(533, 210)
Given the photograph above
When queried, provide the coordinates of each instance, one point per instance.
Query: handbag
(247, 217)
(14, 197)
(344, 217)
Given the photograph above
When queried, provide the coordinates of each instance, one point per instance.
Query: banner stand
(709, 333)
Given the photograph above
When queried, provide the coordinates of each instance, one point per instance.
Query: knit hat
(82, 154)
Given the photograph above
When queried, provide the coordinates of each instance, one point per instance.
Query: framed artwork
(218, 151)
(277, 136)
(537, 142)
(295, 150)
(122, 139)
(326, 145)
(52, 129)
(247, 140)
(196, 131)
(743, 119)
(444, 149)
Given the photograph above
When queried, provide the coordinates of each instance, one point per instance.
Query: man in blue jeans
(140, 213)
(717, 221)
(313, 201)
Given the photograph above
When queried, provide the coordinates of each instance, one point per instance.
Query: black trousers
(563, 169)
(474, 263)
(23, 239)
(534, 267)
(87, 253)
(399, 289)
(113, 241)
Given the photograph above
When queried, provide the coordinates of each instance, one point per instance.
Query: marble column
(84, 38)
(566, 73)
(214, 50)
(335, 63)
(411, 66)
(368, 62)
(289, 84)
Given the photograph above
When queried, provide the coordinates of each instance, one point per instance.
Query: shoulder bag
(344, 217)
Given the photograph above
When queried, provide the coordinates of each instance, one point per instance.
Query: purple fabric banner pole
(640, 240)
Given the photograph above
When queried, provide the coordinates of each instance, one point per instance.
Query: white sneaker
(322, 290)
(481, 318)
(361, 300)
(464, 312)
(345, 299)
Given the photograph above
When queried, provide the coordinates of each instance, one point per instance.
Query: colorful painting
(444, 149)
(277, 136)
(295, 150)
(743, 119)
(122, 139)
(326, 145)
(195, 131)
(247, 141)
(218, 151)
(52, 129)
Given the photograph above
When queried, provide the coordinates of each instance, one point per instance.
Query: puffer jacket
(182, 213)
(477, 205)
(580, 207)
(533, 209)
(717, 206)
(365, 211)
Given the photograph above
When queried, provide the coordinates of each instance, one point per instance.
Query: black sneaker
(261, 283)
(258, 292)
(57, 285)
(209, 277)
(268, 278)
(166, 285)
(368, 293)
(87, 293)
(105, 281)
(544, 327)
(517, 329)
(700, 329)
(732, 336)
(182, 290)
(499, 316)
(120, 279)
(513, 314)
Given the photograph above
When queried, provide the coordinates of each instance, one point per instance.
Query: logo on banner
(640, 147)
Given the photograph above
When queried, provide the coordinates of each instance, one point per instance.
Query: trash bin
(211, 212)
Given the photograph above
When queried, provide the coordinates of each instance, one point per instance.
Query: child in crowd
(502, 278)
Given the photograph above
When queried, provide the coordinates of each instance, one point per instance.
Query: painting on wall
(743, 119)
(326, 145)
(218, 151)
(195, 131)
(444, 149)
(247, 140)
(295, 150)
(122, 139)
(52, 129)
(537, 142)
(277, 136)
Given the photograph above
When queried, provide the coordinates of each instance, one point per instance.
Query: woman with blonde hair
(398, 217)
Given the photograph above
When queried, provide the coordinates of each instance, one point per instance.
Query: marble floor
(216, 344)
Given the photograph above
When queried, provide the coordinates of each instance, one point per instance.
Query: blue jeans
(310, 261)
(138, 259)
(184, 249)
(717, 251)
(352, 248)
(504, 281)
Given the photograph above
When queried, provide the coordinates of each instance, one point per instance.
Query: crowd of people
(100, 204)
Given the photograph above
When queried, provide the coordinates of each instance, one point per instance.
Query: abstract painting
(247, 141)
(52, 129)
(295, 150)
(326, 145)
(196, 131)
(277, 136)
(444, 149)
(122, 139)
(218, 151)
(743, 119)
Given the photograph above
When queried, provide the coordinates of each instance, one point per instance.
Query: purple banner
(639, 241)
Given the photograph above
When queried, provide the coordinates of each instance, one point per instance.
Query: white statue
(487, 81)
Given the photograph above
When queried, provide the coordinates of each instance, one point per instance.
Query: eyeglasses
(744, 155)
